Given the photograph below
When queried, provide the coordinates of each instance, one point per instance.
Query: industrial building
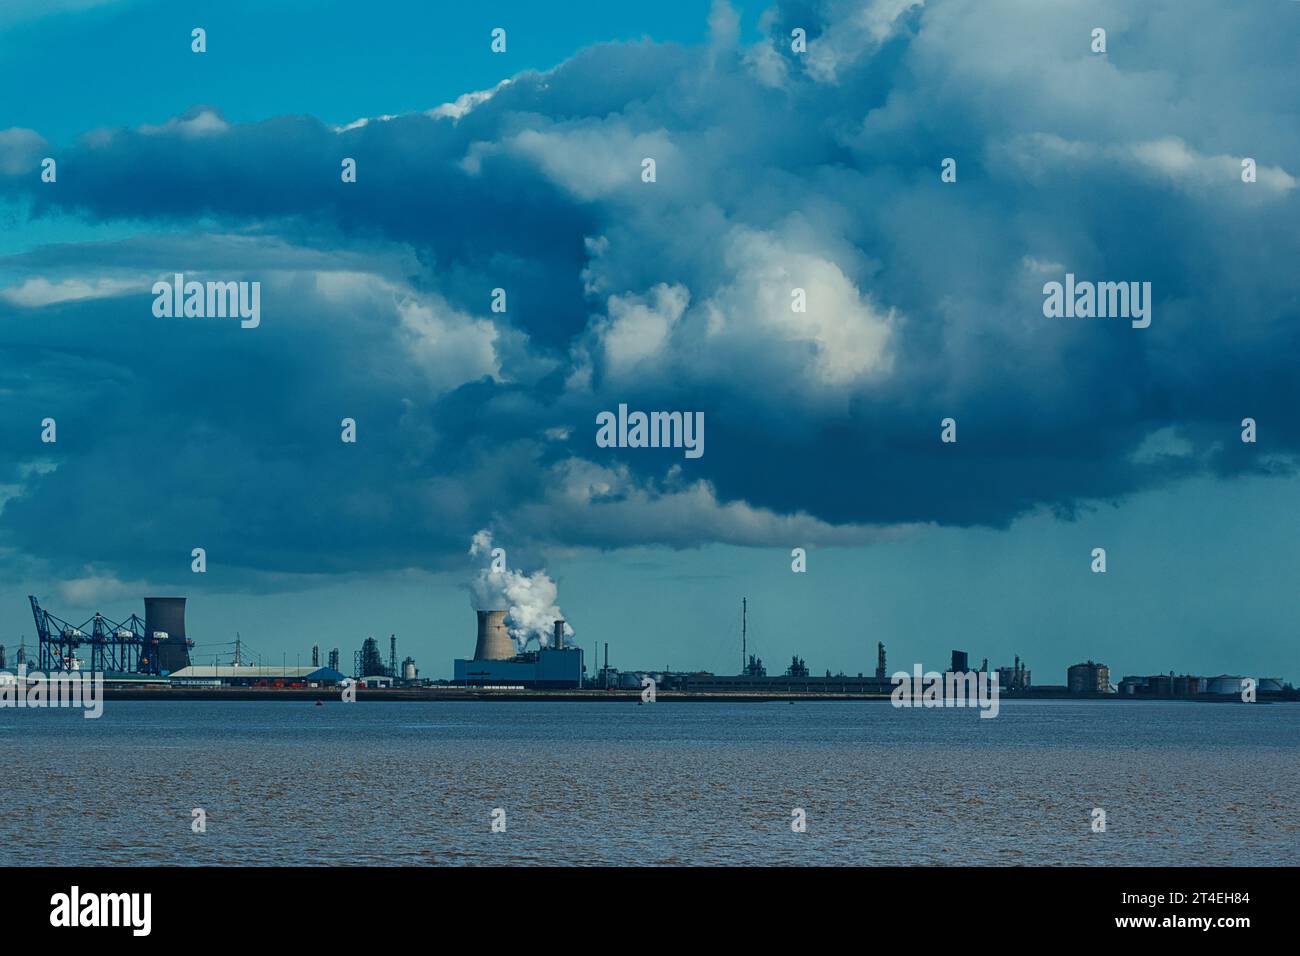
(497, 662)
(251, 675)
(1088, 678)
(1016, 677)
(783, 684)
(1162, 685)
(368, 665)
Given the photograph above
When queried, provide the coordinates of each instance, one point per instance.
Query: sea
(660, 784)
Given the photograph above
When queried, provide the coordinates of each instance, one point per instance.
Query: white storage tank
(1224, 684)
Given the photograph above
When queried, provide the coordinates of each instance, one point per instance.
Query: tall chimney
(558, 641)
(494, 641)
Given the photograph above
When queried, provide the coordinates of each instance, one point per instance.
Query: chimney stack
(558, 641)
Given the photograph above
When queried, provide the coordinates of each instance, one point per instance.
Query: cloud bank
(775, 171)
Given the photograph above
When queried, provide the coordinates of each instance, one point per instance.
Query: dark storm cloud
(775, 171)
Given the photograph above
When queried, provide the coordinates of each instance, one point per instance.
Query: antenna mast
(744, 635)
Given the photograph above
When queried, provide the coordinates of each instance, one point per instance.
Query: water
(416, 783)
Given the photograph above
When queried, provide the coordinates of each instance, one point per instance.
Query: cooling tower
(168, 615)
(494, 642)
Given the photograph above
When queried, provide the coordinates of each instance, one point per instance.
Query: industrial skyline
(142, 648)
(472, 314)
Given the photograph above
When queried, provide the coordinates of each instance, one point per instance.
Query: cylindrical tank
(167, 614)
(1270, 685)
(494, 641)
(1160, 685)
(1223, 684)
(408, 669)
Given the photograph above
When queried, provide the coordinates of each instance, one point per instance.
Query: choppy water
(415, 783)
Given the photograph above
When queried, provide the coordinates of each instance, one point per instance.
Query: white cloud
(853, 31)
(20, 149)
(585, 500)
(95, 586)
(464, 104)
(202, 123)
(847, 335)
(639, 328)
(38, 291)
(594, 160)
(1173, 159)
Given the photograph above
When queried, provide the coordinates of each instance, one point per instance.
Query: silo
(494, 641)
(167, 615)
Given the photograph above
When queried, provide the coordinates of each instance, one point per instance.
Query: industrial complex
(497, 662)
(154, 651)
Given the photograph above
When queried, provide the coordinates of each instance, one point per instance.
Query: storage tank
(494, 641)
(1187, 686)
(1224, 684)
(1272, 685)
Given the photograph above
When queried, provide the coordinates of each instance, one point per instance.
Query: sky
(775, 170)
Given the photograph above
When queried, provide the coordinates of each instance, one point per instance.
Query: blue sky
(775, 169)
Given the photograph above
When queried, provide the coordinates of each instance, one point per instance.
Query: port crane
(121, 647)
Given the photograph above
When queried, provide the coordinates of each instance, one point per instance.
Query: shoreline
(439, 694)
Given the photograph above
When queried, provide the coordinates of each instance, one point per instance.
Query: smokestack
(167, 615)
(494, 641)
(557, 643)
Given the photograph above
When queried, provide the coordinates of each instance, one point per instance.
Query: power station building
(497, 663)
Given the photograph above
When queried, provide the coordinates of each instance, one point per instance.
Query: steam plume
(528, 599)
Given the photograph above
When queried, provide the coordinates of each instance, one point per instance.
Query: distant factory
(154, 650)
